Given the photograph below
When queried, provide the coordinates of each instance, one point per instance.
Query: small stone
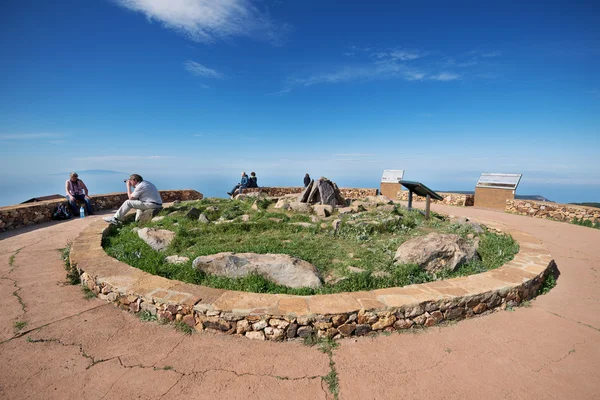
(420, 320)
(194, 213)
(256, 335)
(430, 322)
(255, 206)
(242, 326)
(346, 329)
(338, 320)
(112, 297)
(384, 323)
(176, 259)
(366, 317)
(479, 308)
(189, 320)
(232, 317)
(260, 325)
(274, 333)
(305, 319)
(156, 219)
(403, 324)
(134, 307)
(437, 316)
(305, 331)
(415, 311)
(278, 323)
(245, 218)
(292, 330)
(362, 329)
(336, 224)
(215, 323)
(203, 219)
(322, 325)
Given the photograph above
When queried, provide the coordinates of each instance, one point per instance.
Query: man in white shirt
(144, 197)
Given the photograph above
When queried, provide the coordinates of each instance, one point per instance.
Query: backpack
(62, 212)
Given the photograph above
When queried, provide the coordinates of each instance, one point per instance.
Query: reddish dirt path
(88, 349)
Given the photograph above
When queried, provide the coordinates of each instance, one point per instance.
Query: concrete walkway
(88, 349)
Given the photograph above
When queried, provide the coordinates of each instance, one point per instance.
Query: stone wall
(347, 193)
(559, 212)
(20, 215)
(450, 199)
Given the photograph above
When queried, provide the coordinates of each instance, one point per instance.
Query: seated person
(242, 185)
(144, 197)
(306, 179)
(76, 190)
(252, 181)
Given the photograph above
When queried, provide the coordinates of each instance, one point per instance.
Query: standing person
(306, 179)
(242, 185)
(76, 190)
(253, 180)
(144, 197)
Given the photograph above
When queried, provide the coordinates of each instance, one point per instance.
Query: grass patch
(587, 223)
(18, 325)
(88, 293)
(183, 327)
(548, 284)
(147, 316)
(367, 240)
(72, 273)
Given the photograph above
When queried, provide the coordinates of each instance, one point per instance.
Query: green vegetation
(327, 345)
(147, 316)
(596, 205)
(72, 273)
(548, 284)
(366, 240)
(88, 293)
(183, 327)
(588, 223)
(19, 325)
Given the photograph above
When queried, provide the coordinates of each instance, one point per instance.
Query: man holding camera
(145, 196)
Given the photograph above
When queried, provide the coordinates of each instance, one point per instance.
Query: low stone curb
(279, 317)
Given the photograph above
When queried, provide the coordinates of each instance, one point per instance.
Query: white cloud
(198, 69)
(444, 76)
(209, 21)
(29, 136)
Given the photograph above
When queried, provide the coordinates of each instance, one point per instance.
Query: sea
(15, 190)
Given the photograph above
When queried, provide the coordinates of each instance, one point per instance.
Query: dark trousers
(73, 203)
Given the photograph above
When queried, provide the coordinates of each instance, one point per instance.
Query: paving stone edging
(281, 317)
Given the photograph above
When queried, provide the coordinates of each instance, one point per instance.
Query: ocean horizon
(16, 190)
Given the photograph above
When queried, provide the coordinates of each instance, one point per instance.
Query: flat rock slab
(158, 239)
(279, 268)
(437, 251)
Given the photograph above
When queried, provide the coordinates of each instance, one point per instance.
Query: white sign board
(499, 181)
(392, 175)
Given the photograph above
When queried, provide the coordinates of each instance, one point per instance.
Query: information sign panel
(392, 175)
(499, 181)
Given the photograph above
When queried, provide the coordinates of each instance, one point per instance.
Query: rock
(215, 323)
(302, 224)
(315, 219)
(323, 210)
(301, 207)
(189, 320)
(476, 227)
(346, 329)
(336, 224)
(384, 322)
(194, 213)
(282, 203)
(158, 239)
(203, 218)
(366, 317)
(242, 326)
(305, 331)
(245, 218)
(326, 192)
(156, 219)
(362, 329)
(304, 196)
(338, 320)
(278, 323)
(313, 195)
(291, 332)
(255, 335)
(355, 270)
(274, 333)
(345, 210)
(254, 206)
(279, 268)
(305, 319)
(146, 216)
(403, 324)
(260, 325)
(386, 208)
(435, 252)
(479, 308)
(177, 259)
(454, 313)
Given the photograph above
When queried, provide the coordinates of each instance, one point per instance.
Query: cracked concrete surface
(87, 349)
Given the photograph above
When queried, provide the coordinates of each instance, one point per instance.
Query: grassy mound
(366, 240)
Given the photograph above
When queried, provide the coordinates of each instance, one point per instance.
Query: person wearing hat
(76, 190)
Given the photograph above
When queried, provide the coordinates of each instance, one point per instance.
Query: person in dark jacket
(242, 185)
(252, 181)
(306, 180)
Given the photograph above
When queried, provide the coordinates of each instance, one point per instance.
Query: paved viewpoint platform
(75, 348)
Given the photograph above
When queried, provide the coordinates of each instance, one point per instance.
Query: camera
(125, 181)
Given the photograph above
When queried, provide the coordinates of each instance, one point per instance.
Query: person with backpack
(242, 185)
(145, 196)
(76, 190)
(252, 181)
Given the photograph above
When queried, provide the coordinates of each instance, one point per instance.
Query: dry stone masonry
(281, 317)
(450, 199)
(559, 212)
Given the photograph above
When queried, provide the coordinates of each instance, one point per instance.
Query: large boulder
(279, 268)
(327, 192)
(158, 239)
(323, 210)
(436, 251)
(301, 207)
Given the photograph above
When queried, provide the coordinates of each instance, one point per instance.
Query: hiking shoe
(112, 220)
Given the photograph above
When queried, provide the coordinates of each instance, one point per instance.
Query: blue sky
(193, 92)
